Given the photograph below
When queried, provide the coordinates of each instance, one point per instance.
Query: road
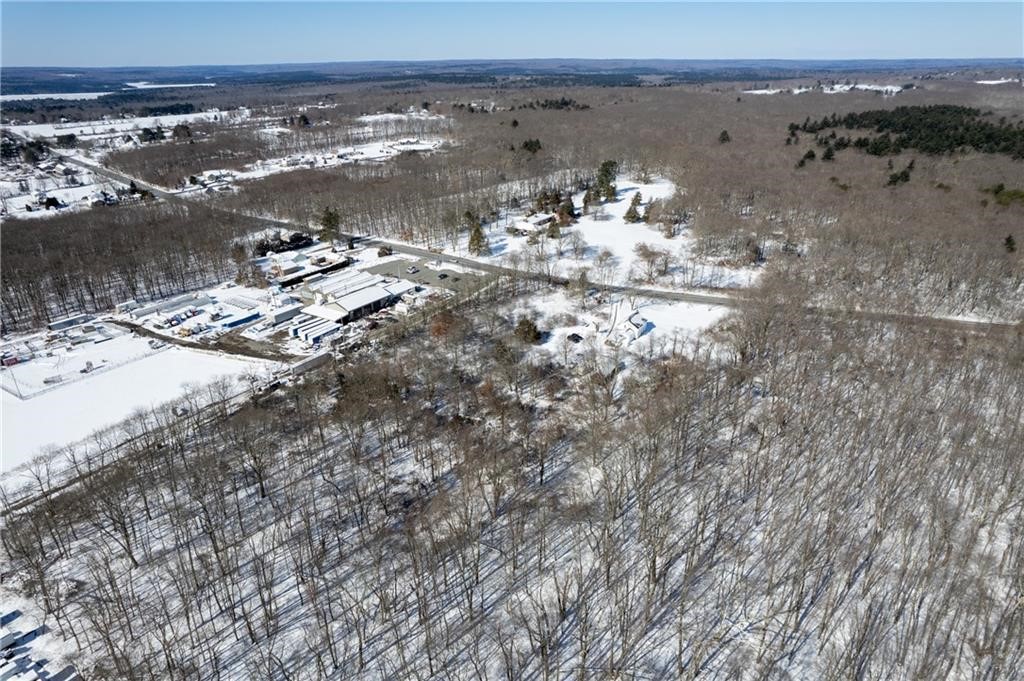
(733, 299)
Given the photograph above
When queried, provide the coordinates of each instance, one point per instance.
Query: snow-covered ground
(146, 85)
(620, 327)
(411, 115)
(836, 88)
(37, 651)
(139, 85)
(25, 186)
(1000, 81)
(115, 126)
(53, 95)
(610, 250)
(129, 375)
(366, 153)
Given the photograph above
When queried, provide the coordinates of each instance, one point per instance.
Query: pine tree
(605, 178)
(829, 154)
(1010, 244)
(588, 198)
(478, 241)
(608, 192)
(330, 221)
(566, 211)
(633, 214)
(527, 331)
(723, 137)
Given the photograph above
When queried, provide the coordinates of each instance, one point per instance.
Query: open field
(128, 376)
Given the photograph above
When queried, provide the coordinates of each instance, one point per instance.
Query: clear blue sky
(178, 33)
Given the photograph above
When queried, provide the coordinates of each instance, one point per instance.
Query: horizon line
(457, 60)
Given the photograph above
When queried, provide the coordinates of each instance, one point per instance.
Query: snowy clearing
(620, 328)
(146, 85)
(113, 126)
(834, 89)
(140, 378)
(610, 246)
(51, 95)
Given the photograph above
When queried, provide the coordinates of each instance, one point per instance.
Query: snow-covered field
(146, 85)
(622, 328)
(1000, 81)
(610, 246)
(68, 96)
(837, 88)
(411, 115)
(139, 377)
(114, 126)
(365, 153)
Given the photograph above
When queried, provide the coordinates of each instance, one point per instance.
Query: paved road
(732, 299)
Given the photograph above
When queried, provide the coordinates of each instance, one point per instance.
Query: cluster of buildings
(314, 293)
(50, 185)
(341, 298)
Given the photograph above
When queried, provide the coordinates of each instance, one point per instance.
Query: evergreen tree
(606, 173)
(609, 192)
(532, 146)
(723, 137)
(605, 178)
(330, 222)
(527, 331)
(829, 154)
(478, 241)
(1010, 244)
(566, 211)
(633, 214)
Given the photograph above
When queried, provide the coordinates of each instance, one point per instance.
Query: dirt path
(231, 343)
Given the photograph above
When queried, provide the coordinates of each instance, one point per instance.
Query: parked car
(442, 275)
(412, 269)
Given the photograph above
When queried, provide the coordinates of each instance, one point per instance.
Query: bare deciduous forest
(801, 496)
(822, 499)
(938, 239)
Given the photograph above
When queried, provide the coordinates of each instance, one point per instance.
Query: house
(532, 224)
(636, 326)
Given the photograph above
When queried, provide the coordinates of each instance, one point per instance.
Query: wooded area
(823, 498)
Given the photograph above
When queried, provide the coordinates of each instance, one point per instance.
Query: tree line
(932, 129)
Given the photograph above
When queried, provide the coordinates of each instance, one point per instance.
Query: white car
(412, 269)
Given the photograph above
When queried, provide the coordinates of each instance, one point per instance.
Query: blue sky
(177, 33)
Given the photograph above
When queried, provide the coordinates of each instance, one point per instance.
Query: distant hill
(31, 80)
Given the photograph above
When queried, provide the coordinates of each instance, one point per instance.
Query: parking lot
(430, 272)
